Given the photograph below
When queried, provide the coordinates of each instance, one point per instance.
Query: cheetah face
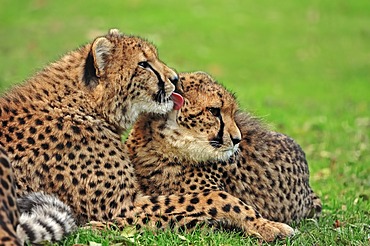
(127, 78)
(206, 121)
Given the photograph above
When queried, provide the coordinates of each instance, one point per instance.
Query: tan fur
(9, 215)
(271, 173)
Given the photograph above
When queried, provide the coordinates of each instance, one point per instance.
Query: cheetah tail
(43, 218)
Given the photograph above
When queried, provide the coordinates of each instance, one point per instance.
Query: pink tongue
(178, 100)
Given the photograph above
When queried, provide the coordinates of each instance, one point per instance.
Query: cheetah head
(204, 128)
(126, 78)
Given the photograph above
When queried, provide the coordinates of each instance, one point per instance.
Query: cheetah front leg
(188, 210)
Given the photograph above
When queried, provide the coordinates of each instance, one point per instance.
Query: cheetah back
(271, 171)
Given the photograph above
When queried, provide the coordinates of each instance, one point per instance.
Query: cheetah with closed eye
(62, 132)
(210, 145)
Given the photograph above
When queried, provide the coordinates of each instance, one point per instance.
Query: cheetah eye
(215, 111)
(143, 64)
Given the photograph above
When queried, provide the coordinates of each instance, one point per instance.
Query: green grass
(301, 65)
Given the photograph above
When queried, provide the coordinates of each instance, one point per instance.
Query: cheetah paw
(99, 225)
(269, 230)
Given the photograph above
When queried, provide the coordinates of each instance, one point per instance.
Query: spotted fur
(9, 215)
(209, 145)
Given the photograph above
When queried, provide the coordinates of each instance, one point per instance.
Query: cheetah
(210, 145)
(62, 131)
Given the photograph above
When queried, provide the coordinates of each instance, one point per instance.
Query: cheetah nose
(235, 140)
(174, 80)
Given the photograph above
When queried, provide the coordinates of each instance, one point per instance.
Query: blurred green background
(303, 66)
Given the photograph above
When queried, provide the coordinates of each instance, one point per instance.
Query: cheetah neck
(59, 90)
(160, 164)
(154, 160)
(153, 146)
(56, 86)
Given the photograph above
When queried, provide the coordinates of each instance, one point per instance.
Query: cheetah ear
(100, 49)
(114, 32)
(96, 61)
